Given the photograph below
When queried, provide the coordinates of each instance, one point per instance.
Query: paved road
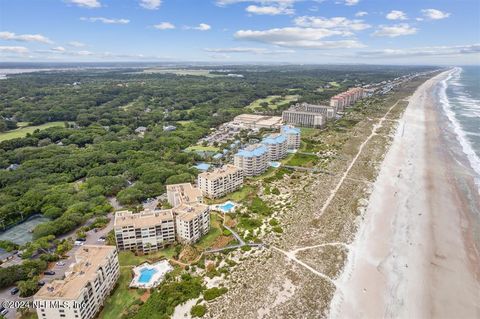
(92, 239)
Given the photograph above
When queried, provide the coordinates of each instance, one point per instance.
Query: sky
(444, 32)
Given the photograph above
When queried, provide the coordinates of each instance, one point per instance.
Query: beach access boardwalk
(240, 244)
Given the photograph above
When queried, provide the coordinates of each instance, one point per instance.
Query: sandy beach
(415, 255)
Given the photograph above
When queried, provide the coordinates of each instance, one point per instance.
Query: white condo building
(86, 285)
(220, 181)
(276, 146)
(293, 135)
(253, 159)
(192, 222)
(144, 232)
(304, 119)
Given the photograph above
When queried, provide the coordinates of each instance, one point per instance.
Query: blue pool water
(275, 164)
(228, 206)
(146, 275)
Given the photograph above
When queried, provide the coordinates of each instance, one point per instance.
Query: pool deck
(161, 268)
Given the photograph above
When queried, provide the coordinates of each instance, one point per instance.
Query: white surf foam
(461, 135)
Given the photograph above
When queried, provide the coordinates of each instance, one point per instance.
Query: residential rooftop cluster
(316, 116)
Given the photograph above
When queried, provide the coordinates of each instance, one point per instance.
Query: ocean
(460, 99)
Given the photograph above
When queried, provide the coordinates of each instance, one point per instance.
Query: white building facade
(220, 181)
(253, 159)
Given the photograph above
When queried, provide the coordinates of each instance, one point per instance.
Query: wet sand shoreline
(415, 255)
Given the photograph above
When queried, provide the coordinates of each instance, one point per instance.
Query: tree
(28, 287)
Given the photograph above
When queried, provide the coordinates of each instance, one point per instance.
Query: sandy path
(411, 257)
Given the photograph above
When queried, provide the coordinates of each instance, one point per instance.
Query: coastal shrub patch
(163, 301)
(278, 229)
(246, 248)
(258, 206)
(273, 222)
(213, 293)
(198, 311)
(249, 223)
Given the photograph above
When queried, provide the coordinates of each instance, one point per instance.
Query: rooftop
(143, 219)
(88, 260)
(225, 170)
(187, 192)
(274, 139)
(289, 129)
(252, 151)
(188, 212)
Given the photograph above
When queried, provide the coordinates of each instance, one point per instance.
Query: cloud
(150, 4)
(164, 26)
(5, 35)
(335, 23)
(59, 49)
(434, 14)
(351, 2)
(105, 20)
(202, 27)
(17, 50)
(422, 51)
(86, 3)
(270, 10)
(396, 30)
(223, 3)
(248, 50)
(396, 15)
(361, 13)
(76, 44)
(294, 37)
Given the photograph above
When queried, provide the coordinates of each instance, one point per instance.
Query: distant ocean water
(460, 99)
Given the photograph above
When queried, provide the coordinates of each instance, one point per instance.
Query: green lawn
(215, 231)
(22, 132)
(128, 258)
(273, 101)
(334, 84)
(121, 298)
(197, 148)
(303, 160)
(237, 196)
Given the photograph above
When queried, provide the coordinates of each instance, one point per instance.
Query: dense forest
(68, 173)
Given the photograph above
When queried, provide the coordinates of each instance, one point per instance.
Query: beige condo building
(220, 181)
(144, 232)
(192, 222)
(86, 285)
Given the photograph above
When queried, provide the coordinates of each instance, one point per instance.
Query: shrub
(278, 229)
(213, 293)
(198, 311)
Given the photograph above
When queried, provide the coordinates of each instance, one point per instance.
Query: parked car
(49, 273)
(101, 239)
(14, 291)
(60, 263)
(41, 283)
(79, 243)
(81, 239)
(3, 312)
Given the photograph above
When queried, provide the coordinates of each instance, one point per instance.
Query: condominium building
(183, 193)
(220, 181)
(253, 159)
(345, 99)
(293, 135)
(327, 111)
(276, 146)
(192, 222)
(254, 121)
(144, 232)
(82, 292)
(303, 119)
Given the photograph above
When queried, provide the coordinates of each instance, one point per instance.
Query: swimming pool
(275, 164)
(150, 275)
(226, 207)
(146, 275)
